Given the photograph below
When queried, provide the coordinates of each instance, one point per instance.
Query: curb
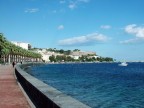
(25, 94)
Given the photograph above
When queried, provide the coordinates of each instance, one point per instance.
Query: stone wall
(43, 95)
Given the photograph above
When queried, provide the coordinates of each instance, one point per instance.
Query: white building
(46, 54)
(21, 44)
(46, 57)
(77, 54)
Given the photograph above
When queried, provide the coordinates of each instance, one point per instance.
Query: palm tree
(12, 52)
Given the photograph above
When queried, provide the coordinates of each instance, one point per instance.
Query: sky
(111, 28)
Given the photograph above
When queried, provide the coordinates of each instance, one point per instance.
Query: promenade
(11, 95)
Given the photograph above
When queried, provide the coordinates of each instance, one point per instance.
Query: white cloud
(60, 27)
(133, 41)
(33, 10)
(137, 31)
(133, 29)
(72, 6)
(105, 26)
(89, 39)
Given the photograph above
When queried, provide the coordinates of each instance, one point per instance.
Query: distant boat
(123, 64)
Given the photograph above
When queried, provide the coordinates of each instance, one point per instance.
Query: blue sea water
(99, 85)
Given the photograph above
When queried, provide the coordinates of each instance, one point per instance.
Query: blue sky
(113, 28)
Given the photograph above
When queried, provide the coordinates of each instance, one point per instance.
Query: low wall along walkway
(43, 95)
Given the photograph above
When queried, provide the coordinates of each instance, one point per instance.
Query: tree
(67, 52)
(52, 58)
(69, 58)
(82, 58)
(61, 51)
(58, 58)
(7, 48)
(76, 50)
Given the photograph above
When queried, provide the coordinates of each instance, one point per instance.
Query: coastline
(92, 82)
(38, 91)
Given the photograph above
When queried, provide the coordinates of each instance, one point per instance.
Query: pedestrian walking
(13, 64)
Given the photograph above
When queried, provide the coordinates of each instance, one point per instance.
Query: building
(77, 54)
(74, 54)
(46, 54)
(22, 44)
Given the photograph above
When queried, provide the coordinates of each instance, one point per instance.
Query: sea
(98, 85)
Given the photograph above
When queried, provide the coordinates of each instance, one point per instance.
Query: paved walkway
(10, 94)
